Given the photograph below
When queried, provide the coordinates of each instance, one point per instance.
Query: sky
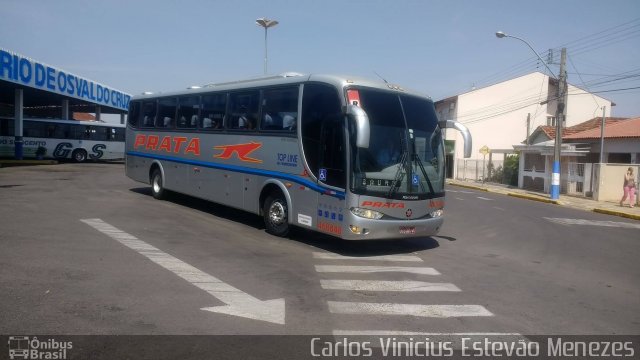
(436, 47)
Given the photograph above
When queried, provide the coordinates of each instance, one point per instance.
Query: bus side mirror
(466, 135)
(362, 125)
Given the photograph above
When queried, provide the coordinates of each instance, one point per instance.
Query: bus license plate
(407, 229)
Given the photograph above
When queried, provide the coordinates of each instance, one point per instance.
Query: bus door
(332, 173)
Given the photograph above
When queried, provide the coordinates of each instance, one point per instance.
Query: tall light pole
(560, 111)
(266, 24)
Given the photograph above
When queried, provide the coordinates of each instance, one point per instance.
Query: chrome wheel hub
(277, 213)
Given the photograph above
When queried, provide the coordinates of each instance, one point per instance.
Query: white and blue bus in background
(64, 139)
(348, 157)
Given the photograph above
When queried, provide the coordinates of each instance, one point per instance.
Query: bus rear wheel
(79, 155)
(276, 215)
(157, 184)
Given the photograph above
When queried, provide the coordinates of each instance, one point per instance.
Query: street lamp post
(266, 24)
(560, 110)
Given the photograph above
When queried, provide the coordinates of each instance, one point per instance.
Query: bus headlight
(437, 213)
(366, 213)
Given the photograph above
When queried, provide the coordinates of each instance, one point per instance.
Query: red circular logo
(408, 213)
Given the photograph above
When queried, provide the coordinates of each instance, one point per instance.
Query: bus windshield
(405, 158)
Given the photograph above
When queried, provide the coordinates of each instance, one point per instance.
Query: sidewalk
(604, 207)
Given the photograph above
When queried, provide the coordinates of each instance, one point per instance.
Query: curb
(535, 198)
(617, 213)
(469, 187)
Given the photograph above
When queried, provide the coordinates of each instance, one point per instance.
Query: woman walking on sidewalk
(629, 188)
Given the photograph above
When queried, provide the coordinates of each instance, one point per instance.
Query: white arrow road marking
(330, 256)
(238, 302)
(434, 311)
(378, 285)
(375, 269)
(593, 223)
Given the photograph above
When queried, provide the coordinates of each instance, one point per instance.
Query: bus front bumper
(357, 228)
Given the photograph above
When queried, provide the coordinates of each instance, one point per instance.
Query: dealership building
(33, 89)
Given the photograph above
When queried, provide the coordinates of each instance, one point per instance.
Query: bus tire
(276, 215)
(157, 185)
(79, 155)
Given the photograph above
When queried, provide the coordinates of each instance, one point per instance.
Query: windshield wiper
(397, 179)
(424, 173)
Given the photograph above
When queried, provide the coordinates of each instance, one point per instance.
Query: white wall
(497, 115)
(582, 106)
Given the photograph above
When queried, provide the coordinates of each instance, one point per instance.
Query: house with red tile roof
(580, 155)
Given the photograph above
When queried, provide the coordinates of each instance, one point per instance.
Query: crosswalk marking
(381, 309)
(619, 224)
(330, 256)
(378, 285)
(375, 269)
(432, 311)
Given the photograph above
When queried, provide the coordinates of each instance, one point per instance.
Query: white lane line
(375, 269)
(499, 208)
(414, 333)
(238, 302)
(330, 256)
(382, 285)
(461, 199)
(593, 223)
(432, 311)
(484, 198)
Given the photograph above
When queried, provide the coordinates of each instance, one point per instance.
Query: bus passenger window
(280, 109)
(148, 113)
(134, 114)
(213, 110)
(188, 109)
(166, 112)
(244, 110)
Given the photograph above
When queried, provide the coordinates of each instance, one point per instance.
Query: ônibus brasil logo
(26, 347)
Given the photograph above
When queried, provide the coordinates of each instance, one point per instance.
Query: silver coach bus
(352, 158)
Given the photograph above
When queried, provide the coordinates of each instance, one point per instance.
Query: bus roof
(282, 79)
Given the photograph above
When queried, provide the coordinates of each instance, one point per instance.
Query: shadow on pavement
(311, 238)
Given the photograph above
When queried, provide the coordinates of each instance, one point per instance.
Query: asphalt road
(500, 265)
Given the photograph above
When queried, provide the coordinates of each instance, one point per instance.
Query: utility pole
(602, 136)
(560, 116)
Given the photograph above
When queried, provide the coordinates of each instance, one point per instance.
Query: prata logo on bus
(169, 144)
(242, 151)
(382, 205)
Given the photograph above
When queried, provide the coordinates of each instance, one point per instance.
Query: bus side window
(134, 114)
(166, 113)
(213, 111)
(188, 109)
(244, 109)
(280, 109)
(148, 114)
(119, 134)
(320, 104)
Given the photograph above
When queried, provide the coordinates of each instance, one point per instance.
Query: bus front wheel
(157, 185)
(276, 215)
(79, 155)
